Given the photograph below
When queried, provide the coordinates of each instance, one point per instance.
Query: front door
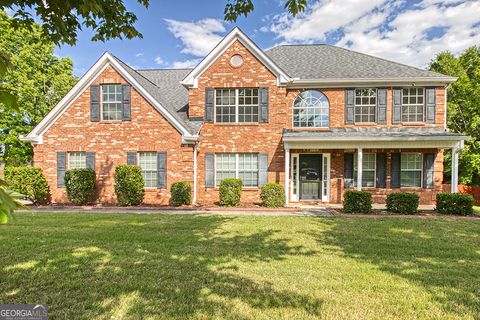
(310, 176)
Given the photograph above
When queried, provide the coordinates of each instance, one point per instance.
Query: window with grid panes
(77, 160)
(412, 104)
(243, 166)
(411, 170)
(368, 169)
(148, 163)
(111, 102)
(365, 105)
(247, 105)
(225, 166)
(236, 105)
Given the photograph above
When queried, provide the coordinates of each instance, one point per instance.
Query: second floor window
(111, 102)
(412, 104)
(236, 105)
(311, 110)
(365, 105)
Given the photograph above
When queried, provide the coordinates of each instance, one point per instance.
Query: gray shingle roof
(365, 133)
(329, 62)
(164, 85)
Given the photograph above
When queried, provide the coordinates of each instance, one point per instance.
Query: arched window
(311, 110)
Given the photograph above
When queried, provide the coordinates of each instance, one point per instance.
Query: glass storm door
(310, 174)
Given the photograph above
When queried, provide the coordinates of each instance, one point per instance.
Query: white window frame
(413, 105)
(76, 153)
(415, 170)
(355, 163)
(355, 105)
(237, 105)
(156, 168)
(294, 108)
(237, 169)
(102, 86)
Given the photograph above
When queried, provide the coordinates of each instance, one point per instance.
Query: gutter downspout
(195, 173)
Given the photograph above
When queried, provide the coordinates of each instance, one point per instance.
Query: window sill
(237, 123)
(413, 124)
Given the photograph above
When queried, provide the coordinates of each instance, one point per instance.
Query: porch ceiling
(372, 137)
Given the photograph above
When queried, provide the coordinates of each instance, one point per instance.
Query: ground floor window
(77, 160)
(368, 170)
(243, 166)
(411, 170)
(148, 163)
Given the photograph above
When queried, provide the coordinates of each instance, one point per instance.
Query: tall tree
(463, 108)
(38, 78)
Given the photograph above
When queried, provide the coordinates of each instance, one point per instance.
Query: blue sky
(179, 33)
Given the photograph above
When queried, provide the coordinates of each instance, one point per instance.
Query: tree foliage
(38, 79)
(237, 8)
(463, 108)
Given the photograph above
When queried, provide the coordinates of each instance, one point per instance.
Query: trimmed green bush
(273, 195)
(129, 185)
(181, 193)
(230, 192)
(403, 202)
(80, 185)
(28, 181)
(454, 203)
(357, 201)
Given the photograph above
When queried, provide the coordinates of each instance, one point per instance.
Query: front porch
(321, 165)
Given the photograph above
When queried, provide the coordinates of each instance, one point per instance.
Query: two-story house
(317, 118)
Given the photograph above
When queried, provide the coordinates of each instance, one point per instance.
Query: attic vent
(236, 60)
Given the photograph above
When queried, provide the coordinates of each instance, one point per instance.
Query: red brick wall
(147, 131)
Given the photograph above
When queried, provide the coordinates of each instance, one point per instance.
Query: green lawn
(241, 267)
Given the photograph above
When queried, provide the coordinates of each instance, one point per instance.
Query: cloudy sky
(179, 33)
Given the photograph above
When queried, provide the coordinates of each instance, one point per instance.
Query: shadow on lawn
(167, 266)
(442, 256)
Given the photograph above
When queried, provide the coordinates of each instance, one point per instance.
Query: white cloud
(185, 64)
(198, 38)
(140, 54)
(159, 60)
(387, 29)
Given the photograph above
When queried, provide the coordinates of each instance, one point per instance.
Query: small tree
(129, 185)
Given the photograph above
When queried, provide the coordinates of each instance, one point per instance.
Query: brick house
(317, 118)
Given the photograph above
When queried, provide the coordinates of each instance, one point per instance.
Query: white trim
(326, 160)
(368, 82)
(359, 168)
(293, 109)
(36, 135)
(294, 183)
(379, 138)
(287, 175)
(353, 144)
(191, 80)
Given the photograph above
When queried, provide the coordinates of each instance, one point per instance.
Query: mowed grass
(114, 266)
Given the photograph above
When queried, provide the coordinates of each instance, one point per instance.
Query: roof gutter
(342, 82)
(384, 138)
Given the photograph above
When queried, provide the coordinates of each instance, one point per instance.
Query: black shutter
(94, 103)
(397, 106)
(61, 168)
(263, 169)
(132, 158)
(381, 171)
(209, 170)
(209, 104)
(126, 113)
(428, 170)
(395, 171)
(90, 159)
(348, 169)
(263, 101)
(161, 170)
(382, 106)
(430, 105)
(349, 106)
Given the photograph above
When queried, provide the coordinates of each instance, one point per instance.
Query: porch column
(359, 168)
(454, 170)
(287, 174)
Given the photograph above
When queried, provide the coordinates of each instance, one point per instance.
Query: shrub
(181, 193)
(28, 181)
(403, 202)
(357, 201)
(454, 203)
(129, 185)
(273, 195)
(80, 185)
(230, 192)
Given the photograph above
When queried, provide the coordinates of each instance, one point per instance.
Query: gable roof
(235, 35)
(325, 62)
